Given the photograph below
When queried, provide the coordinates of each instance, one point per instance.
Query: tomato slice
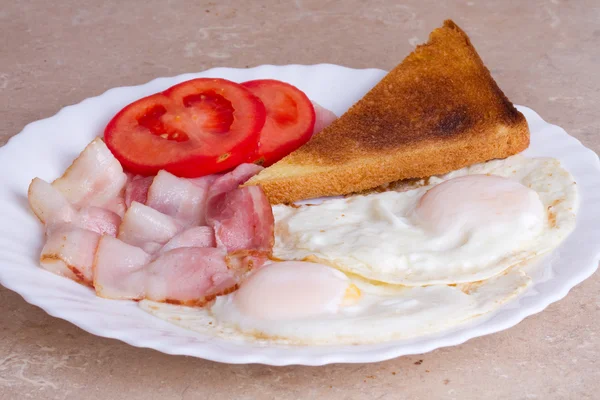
(290, 119)
(195, 128)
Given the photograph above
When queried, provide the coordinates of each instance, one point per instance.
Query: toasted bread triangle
(437, 111)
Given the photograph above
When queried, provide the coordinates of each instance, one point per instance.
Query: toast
(437, 111)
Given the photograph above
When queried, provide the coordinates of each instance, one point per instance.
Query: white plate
(45, 148)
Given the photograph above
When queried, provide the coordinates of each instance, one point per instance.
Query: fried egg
(466, 226)
(313, 304)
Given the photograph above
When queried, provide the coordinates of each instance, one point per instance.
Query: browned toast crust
(437, 111)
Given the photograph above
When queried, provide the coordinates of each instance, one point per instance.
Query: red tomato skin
(263, 89)
(150, 154)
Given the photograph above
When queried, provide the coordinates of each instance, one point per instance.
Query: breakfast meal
(250, 212)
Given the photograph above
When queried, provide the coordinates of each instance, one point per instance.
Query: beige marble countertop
(544, 54)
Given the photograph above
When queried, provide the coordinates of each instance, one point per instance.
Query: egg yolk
(473, 201)
(294, 290)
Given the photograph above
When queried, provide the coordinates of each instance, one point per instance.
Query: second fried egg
(466, 226)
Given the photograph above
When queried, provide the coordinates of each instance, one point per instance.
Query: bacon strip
(48, 204)
(198, 236)
(70, 253)
(137, 189)
(119, 270)
(189, 276)
(94, 179)
(53, 209)
(147, 228)
(241, 218)
(181, 198)
(99, 220)
(230, 181)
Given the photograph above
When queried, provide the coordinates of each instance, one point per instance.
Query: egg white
(372, 236)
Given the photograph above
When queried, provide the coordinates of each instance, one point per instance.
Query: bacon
(205, 181)
(101, 234)
(49, 204)
(190, 276)
(147, 228)
(53, 209)
(95, 178)
(137, 189)
(99, 220)
(117, 205)
(243, 220)
(198, 236)
(119, 270)
(323, 118)
(230, 181)
(182, 199)
(70, 253)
